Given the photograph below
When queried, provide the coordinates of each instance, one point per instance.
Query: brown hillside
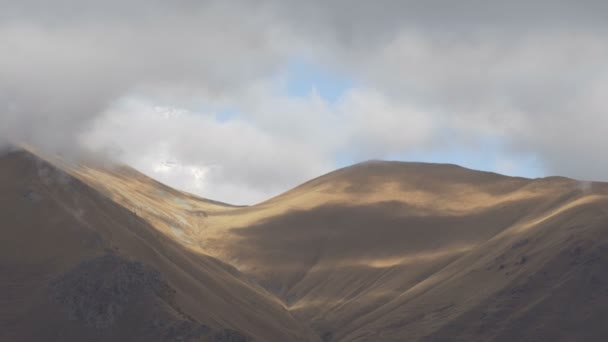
(380, 251)
(77, 266)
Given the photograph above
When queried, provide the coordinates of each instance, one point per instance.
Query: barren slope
(77, 266)
(395, 251)
(400, 251)
(380, 251)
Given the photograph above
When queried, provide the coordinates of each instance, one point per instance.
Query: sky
(238, 101)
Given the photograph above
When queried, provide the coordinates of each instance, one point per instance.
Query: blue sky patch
(302, 77)
(488, 155)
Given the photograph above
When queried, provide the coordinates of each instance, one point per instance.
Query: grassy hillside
(380, 251)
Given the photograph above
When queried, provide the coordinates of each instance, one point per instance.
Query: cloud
(285, 140)
(64, 64)
(530, 74)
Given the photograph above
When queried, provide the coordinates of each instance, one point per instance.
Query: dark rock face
(229, 335)
(176, 330)
(33, 197)
(98, 291)
(327, 336)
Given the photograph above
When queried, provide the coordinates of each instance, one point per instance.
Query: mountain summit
(379, 251)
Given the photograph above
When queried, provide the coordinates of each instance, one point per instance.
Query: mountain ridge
(372, 252)
(109, 230)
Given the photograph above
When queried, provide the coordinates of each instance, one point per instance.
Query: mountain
(379, 251)
(77, 265)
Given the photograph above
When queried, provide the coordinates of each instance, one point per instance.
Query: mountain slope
(78, 266)
(379, 251)
(357, 252)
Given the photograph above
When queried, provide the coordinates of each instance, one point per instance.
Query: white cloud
(531, 74)
(380, 126)
(283, 140)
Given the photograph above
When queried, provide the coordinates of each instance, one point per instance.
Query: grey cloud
(528, 72)
(237, 161)
(525, 72)
(64, 63)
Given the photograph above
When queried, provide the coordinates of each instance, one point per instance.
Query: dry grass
(378, 251)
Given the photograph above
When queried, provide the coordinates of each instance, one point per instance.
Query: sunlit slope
(543, 279)
(77, 266)
(350, 250)
(390, 251)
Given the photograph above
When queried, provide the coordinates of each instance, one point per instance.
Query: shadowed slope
(350, 250)
(519, 285)
(380, 251)
(77, 266)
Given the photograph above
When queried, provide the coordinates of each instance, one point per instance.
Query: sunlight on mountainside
(379, 250)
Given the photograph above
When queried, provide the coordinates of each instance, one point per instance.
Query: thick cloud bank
(196, 93)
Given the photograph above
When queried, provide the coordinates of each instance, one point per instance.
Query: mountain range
(378, 251)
